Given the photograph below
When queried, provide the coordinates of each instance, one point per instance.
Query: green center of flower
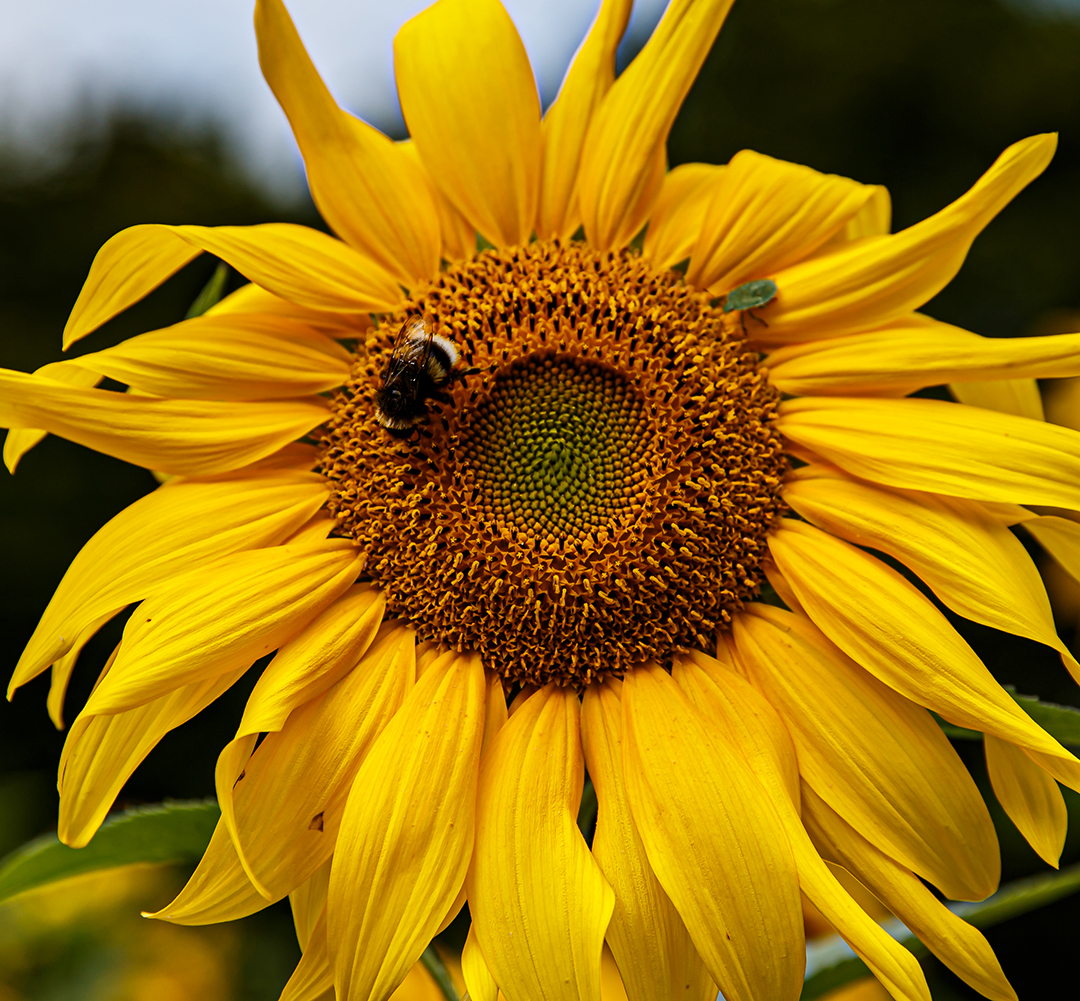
(592, 490)
(557, 447)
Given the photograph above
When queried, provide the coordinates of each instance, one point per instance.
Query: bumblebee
(420, 363)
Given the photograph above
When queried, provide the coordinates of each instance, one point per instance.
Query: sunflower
(636, 531)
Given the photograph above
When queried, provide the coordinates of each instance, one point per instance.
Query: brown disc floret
(593, 492)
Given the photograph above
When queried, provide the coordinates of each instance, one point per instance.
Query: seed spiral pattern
(594, 492)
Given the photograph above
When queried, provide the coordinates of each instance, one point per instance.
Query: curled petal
(876, 280)
(675, 220)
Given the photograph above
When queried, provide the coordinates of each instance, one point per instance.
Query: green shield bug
(750, 296)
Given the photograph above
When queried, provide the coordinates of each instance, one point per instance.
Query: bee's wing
(412, 347)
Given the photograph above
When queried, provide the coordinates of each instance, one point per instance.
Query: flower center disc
(594, 492)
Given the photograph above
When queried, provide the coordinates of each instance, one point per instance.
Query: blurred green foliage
(919, 95)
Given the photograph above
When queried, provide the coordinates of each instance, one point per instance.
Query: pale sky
(195, 59)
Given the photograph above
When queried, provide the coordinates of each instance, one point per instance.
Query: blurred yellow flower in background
(557, 571)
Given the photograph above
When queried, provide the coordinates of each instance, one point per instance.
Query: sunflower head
(595, 494)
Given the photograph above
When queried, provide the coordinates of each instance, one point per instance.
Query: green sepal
(211, 292)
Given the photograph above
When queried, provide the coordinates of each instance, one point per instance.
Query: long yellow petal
(876, 280)
(241, 357)
(1060, 537)
(313, 979)
(290, 797)
(307, 903)
(675, 221)
(714, 840)
(566, 123)
(178, 527)
(372, 196)
(222, 616)
(315, 659)
(19, 441)
(1030, 797)
(251, 298)
(915, 352)
(540, 905)
(294, 262)
(101, 752)
(619, 179)
(651, 945)
(474, 969)
(766, 214)
(941, 447)
(407, 834)
(878, 759)
(957, 944)
(971, 561)
(888, 627)
(469, 99)
(756, 729)
(184, 437)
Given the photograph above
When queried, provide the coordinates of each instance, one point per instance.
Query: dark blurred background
(919, 95)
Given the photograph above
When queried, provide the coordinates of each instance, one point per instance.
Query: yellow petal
(477, 130)
(307, 903)
(294, 262)
(251, 298)
(221, 616)
(650, 943)
(676, 216)
(178, 527)
(315, 659)
(19, 441)
(407, 834)
(876, 280)
(1060, 537)
(539, 903)
(971, 561)
(372, 196)
(1030, 797)
(313, 979)
(714, 841)
(1010, 396)
(101, 752)
(478, 979)
(915, 352)
(495, 714)
(879, 760)
(884, 624)
(566, 123)
(766, 214)
(185, 437)
(62, 670)
(756, 729)
(957, 944)
(941, 447)
(619, 178)
(289, 800)
(873, 219)
(240, 357)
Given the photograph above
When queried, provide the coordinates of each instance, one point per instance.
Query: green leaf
(211, 292)
(1061, 722)
(165, 832)
(830, 963)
